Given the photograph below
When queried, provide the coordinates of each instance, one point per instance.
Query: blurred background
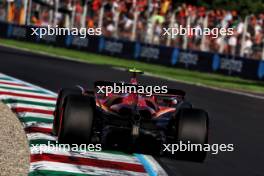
(143, 20)
(132, 30)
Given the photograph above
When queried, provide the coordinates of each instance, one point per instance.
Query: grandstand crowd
(144, 20)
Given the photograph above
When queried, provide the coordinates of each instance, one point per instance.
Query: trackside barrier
(162, 55)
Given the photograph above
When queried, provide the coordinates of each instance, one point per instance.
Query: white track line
(29, 106)
(34, 114)
(38, 124)
(56, 149)
(36, 136)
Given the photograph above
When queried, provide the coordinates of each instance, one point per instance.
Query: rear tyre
(77, 120)
(60, 100)
(192, 128)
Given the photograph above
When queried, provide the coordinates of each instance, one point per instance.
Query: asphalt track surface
(234, 119)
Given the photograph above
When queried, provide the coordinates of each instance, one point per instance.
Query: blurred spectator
(154, 17)
(2, 11)
(248, 45)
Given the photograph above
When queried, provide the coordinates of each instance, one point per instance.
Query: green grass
(192, 77)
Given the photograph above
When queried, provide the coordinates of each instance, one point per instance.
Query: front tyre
(77, 120)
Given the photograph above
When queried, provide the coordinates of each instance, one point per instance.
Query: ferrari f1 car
(130, 122)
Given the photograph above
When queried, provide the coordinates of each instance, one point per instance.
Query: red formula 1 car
(131, 122)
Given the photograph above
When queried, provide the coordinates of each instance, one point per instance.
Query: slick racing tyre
(60, 100)
(192, 128)
(77, 120)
